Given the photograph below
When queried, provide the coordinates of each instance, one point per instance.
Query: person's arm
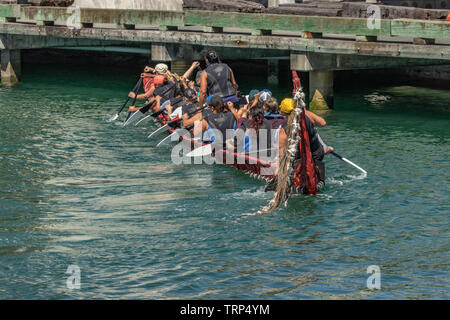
(203, 87)
(143, 96)
(282, 138)
(133, 109)
(233, 81)
(254, 101)
(188, 73)
(199, 128)
(190, 121)
(183, 82)
(169, 109)
(235, 113)
(315, 119)
(147, 75)
(148, 69)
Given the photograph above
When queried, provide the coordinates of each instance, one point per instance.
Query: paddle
(142, 120)
(349, 162)
(138, 114)
(174, 122)
(169, 137)
(136, 87)
(205, 150)
(154, 114)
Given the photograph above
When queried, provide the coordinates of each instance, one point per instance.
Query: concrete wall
(168, 5)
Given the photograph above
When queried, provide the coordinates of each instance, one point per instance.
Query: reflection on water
(75, 189)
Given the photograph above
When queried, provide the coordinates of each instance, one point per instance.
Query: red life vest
(148, 83)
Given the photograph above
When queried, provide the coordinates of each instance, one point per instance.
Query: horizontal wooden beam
(257, 21)
(421, 29)
(243, 41)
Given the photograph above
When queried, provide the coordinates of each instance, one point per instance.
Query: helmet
(252, 94)
(265, 94)
(287, 105)
(161, 68)
(208, 100)
(190, 94)
(212, 56)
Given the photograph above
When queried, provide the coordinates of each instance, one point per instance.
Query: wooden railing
(213, 21)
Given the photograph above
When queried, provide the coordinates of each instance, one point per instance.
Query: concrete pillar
(161, 52)
(10, 66)
(321, 95)
(272, 72)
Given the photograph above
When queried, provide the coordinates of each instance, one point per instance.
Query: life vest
(189, 108)
(176, 102)
(165, 92)
(148, 82)
(276, 119)
(221, 122)
(248, 141)
(315, 145)
(219, 80)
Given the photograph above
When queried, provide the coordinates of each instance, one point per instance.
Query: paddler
(318, 148)
(222, 117)
(252, 130)
(217, 79)
(161, 91)
(271, 113)
(189, 105)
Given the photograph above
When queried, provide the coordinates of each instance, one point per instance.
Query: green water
(77, 190)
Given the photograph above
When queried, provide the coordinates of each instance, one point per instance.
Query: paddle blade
(162, 129)
(142, 120)
(200, 152)
(114, 118)
(168, 139)
(135, 117)
(356, 166)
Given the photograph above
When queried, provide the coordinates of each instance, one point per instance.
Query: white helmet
(161, 68)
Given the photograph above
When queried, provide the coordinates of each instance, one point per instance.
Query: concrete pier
(273, 70)
(10, 66)
(321, 94)
(334, 42)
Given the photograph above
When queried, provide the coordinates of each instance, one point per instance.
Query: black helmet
(190, 94)
(212, 56)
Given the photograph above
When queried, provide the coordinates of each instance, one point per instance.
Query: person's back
(219, 80)
(257, 128)
(221, 122)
